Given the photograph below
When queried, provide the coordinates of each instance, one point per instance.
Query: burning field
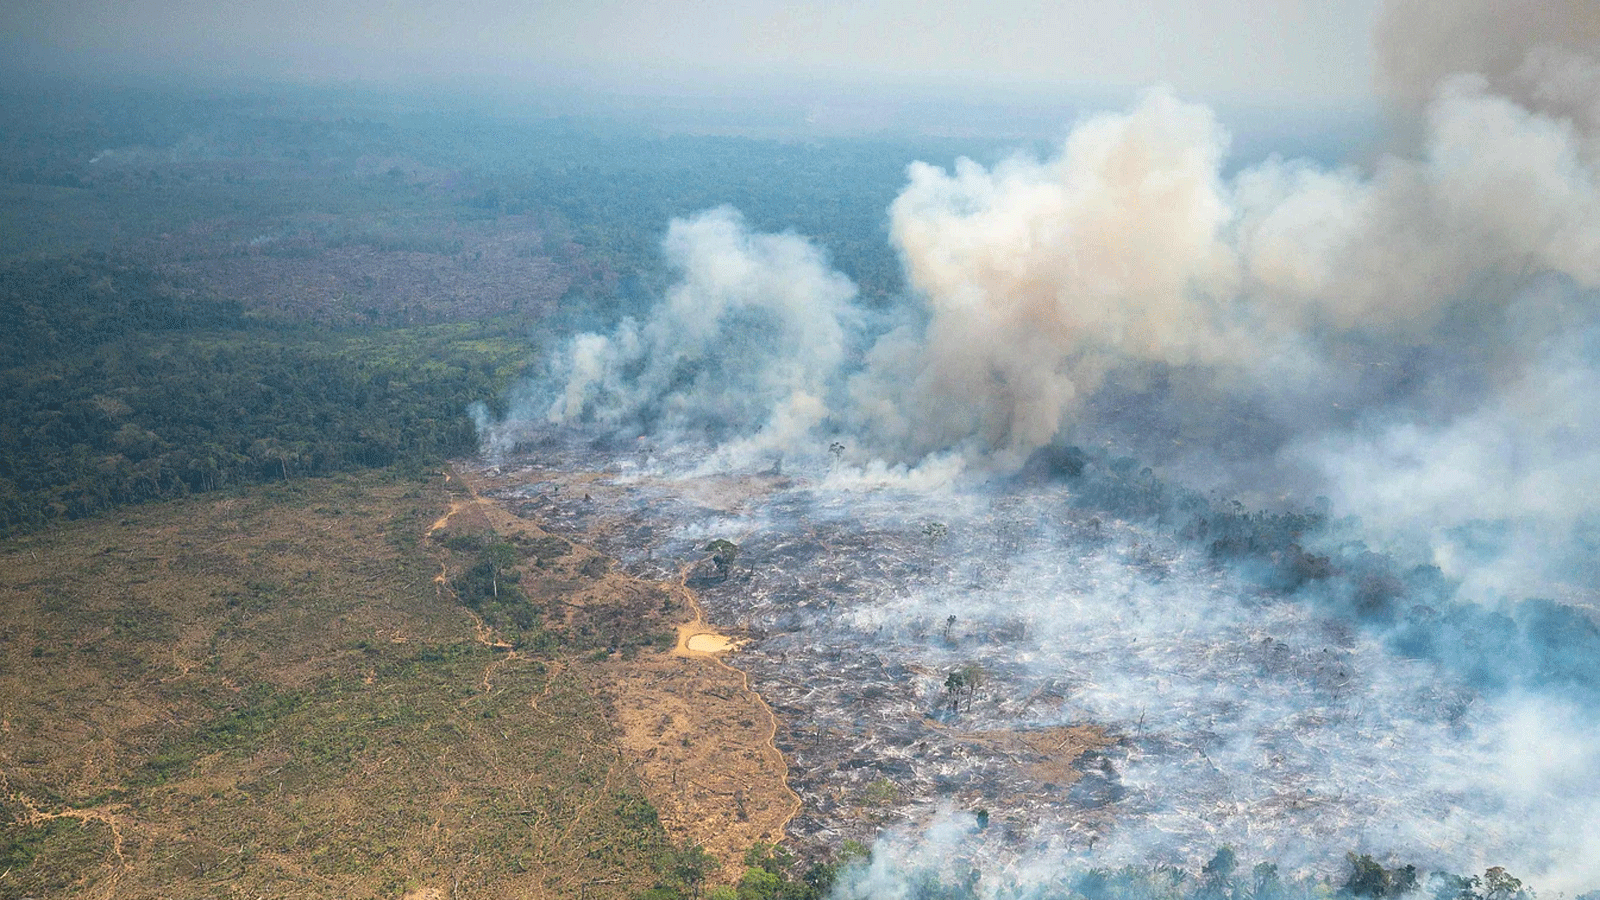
(1091, 690)
(1173, 506)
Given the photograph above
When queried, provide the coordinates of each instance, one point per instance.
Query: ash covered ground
(1123, 695)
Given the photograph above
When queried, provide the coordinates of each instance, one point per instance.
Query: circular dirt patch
(707, 642)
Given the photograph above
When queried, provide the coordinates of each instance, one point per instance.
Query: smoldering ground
(1415, 340)
(1292, 705)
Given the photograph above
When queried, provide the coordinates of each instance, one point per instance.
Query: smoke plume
(1416, 339)
(752, 335)
(1036, 276)
(1539, 53)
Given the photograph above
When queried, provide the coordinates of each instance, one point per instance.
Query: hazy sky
(1301, 51)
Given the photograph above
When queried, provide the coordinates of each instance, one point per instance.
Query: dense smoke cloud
(1035, 279)
(1420, 341)
(751, 336)
(1400, 338)
(1417, 340)
(1128, 247)
(1540, 53)
(1037, 275)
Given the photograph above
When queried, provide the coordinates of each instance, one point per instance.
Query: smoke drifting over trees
(1416, 339)
(754, 332)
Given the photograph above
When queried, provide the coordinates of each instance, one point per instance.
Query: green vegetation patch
(144, 403)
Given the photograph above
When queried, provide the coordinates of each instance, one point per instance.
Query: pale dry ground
(709, 643)
(1048, 756)
(701, 738)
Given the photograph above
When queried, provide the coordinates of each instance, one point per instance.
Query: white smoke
(1037, 275)
(1034, 280)
(943, 849)
(746, 344)
(1401, 339)
(1500, 188)
(1417, 338)
(1523, 459)
(1129, 246)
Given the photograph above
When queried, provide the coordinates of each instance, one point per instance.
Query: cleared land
(701, 739)
(271, 693)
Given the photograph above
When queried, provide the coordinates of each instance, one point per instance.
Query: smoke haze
(752, 334)
(1539, 53)
(1416, 339)
(1245, 50)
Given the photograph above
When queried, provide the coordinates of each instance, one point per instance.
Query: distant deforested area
(186, 175)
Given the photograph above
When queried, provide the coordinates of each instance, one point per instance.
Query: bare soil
(701, 738)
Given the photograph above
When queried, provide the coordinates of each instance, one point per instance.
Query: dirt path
(696, 639)
(556, 669)
(481, 630)
(455, 505)
(32, 816)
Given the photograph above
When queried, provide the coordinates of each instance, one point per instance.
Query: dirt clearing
(701, 739)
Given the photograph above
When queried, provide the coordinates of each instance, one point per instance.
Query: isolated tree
(962, 684)
(1498, 884)
(973, 674)
(954, 684)
(1217, 875)
(1265, 884)
(1222, 864)
(723, 553)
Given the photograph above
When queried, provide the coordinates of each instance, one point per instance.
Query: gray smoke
(1414, 341)
(1541, 53)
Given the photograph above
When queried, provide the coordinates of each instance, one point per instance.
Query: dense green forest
(123, 386)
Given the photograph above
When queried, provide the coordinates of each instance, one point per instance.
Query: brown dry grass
(266, 694)
(701, 738)
(1052, 754)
